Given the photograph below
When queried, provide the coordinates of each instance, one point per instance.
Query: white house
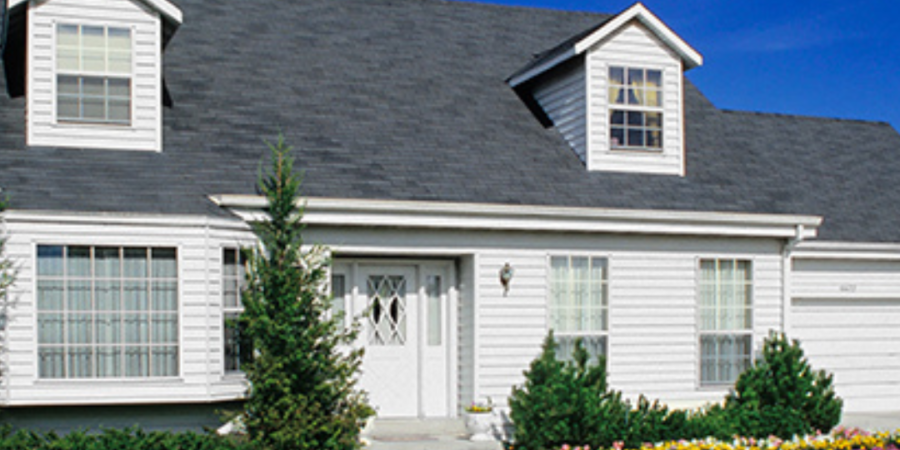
(441, 141)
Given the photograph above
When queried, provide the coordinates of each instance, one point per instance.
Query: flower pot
(480, 426)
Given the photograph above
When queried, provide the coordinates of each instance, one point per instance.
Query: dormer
(615, 93)
(91, 71)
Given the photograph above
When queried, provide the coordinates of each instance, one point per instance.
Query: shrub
(112, 439)
(782, 395)
(564, 402)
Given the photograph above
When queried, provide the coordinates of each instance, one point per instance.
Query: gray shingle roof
(406, 99)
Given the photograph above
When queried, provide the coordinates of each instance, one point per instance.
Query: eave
(496, 217)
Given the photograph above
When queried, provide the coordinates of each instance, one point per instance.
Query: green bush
(782, 395)
(112, 439)
(565, 402)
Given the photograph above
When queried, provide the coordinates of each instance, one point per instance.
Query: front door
(403, 310)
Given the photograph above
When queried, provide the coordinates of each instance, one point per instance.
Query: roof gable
(168, 9)
(585, 40)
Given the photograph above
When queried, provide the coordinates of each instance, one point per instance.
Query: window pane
(338, 293)
(654, 79)
(232, 347)
(164, 265)
(653, 97)
(654, 120)
(165, 361)
(50, 295)
(109, 362)
(617, 137)
(165, 296)
(108, 328)
(635, 118)
(51, 363)
(67, 35)
(136, 263)
(106, 262)
(617, 118)
(78, 262)
(137, 328)
(595, 346)
(653, 139)
(616, 76)
(119, 38)
(636, 77)
(68, 108)
(68, 86)
(635, 138)
(137, 361)
(81, 363)
(50, 328)
(165, 328)
(135, 296)
(108, 295)
(93, 109)
(79, 328)
(435, 310)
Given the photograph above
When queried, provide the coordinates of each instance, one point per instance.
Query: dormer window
(636, 109)
(94, 71)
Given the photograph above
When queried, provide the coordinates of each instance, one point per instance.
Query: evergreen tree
(302, 377)
(782, 395)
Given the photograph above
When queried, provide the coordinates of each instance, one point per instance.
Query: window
(107, 312)
(725, 320)
(578, 304)
(93, 80)
(236, 351)
(635, 116)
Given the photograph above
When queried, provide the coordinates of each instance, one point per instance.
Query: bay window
(107, 312)
(726, 328)
(578, 304)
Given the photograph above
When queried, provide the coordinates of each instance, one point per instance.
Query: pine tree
(303, 377)
(782, 395)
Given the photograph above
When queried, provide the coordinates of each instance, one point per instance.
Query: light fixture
(506, 274)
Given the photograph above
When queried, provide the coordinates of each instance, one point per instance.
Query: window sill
(120, 381)
(638, 150)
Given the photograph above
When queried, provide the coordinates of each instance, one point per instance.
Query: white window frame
(232, 312)
(745, 333)
(105, 75)
(565, 338)
(94, 343)
(626, 108)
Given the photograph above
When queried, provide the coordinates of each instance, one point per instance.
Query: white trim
(447, 215)
(164, 7)
(639, 12)
(101, 218)
(846, 250)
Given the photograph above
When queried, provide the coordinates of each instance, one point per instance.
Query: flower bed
(840, 439)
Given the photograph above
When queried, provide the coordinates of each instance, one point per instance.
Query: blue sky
(831, 58)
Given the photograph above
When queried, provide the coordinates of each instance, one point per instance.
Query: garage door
(858, 340)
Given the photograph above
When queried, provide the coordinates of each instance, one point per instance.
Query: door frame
(355, 300)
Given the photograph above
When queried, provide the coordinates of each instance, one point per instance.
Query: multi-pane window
(236, 351)
(726, 312)
(107, 312)
(94, 71)
(578, 303)
(635, 116)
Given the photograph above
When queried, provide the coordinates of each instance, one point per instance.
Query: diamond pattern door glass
(387, 310)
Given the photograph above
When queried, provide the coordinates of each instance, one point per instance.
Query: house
(443, 143)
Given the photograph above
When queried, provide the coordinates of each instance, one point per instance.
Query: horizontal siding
(200, 332)
(563, 99)
(144, 133)
(856, 339)
(845, 279)
(634, 46)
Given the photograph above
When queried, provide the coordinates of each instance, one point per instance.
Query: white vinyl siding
(197, 243)
(652, 301)
(845, 313)
(634, 47)
(563, 99)
(135, 126)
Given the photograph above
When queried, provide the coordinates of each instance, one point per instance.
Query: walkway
(449, 434)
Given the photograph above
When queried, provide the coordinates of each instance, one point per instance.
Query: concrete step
(422, 434)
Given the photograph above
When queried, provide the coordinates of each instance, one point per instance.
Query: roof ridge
(805, 117)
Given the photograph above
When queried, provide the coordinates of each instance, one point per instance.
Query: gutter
(502, 217)
(786, 268)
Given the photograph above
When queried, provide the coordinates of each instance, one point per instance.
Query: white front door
(404, 313)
